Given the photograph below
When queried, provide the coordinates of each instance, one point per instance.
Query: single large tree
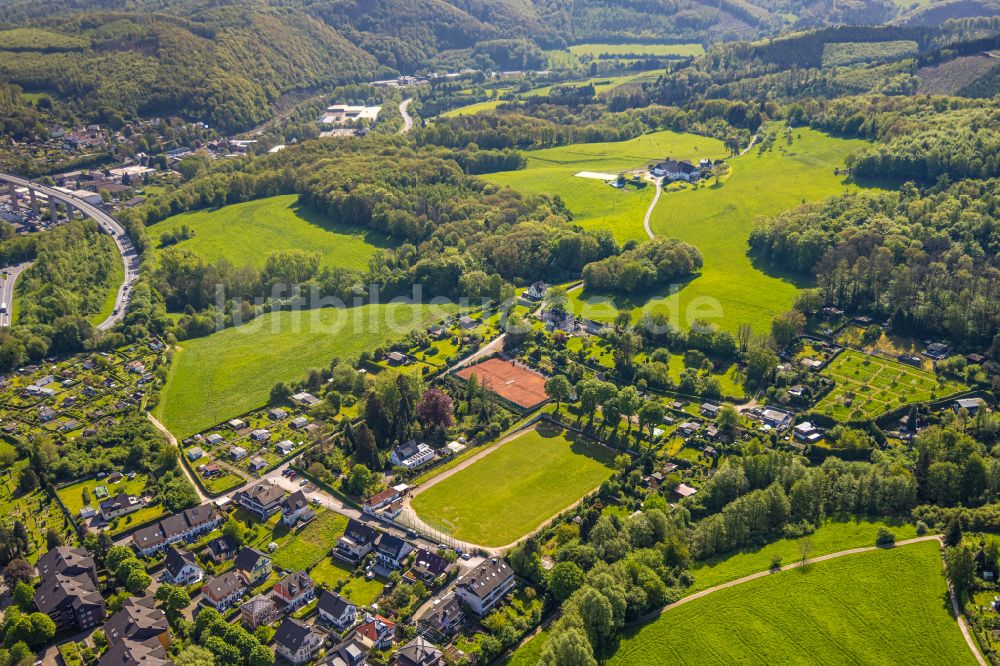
(436, 409)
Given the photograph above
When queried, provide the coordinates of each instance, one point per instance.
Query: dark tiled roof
(391, 545)
(487, 577)
(176, 560)
(138, 620)
(418, 652)
(294, 502)
(224, 585)
(292, 634)
(56, 590)
(358, 532)
(248, 558)
(332, 603)
(64, 559)
(135, 653)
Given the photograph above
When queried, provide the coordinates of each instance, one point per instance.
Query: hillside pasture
(867, 386)
(883, 606)
(231, 372)
(635, 49)
(515, 488)
(245, 233)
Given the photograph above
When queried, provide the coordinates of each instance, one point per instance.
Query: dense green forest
(925, 260)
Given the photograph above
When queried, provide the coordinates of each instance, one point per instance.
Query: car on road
(3, 308)
(411, 534)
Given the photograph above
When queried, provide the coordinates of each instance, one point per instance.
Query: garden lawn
(593, 203)
(873, 385)
(833, 536)
(308, 546)
(357, 589)
(717, 219)
(515, 488)
(231, 372)
(880, 607)
(529, 653)
(72, 495)
(245, 233)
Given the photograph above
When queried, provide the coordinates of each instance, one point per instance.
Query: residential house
(120, 505)
(483, 587)
(376, 633)
(263, 499)
(68, 591)
(181, 567)
(411, 455)
(295, 590)
(336, 611)
(390, 551)
(149, 652)
(535, 292)
(444, 616)
(427, 567)
(221, 549)
(675, 170)
(284, 447)
(68, 561)
(351, 653)
(222, 591)
(358, 541)
(418, 652)
(776, 418)
(253, 565)
(259, 611)
(139, 620)
(297, 642)
(185, 526)
(304, 399)
(971, 405)
(380, 500)
(295, 508)
(397, 358)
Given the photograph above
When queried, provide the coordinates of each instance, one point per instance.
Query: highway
(7, 291)
(130, 258)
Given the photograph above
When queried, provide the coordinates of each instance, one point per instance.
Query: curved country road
(963, 627)
(657, 182)
(7, 291)
(407, 119)
(130, 258)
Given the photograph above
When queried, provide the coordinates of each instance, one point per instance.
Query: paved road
(657, 182)
(407, 120)
(130, 258)
(7, 291)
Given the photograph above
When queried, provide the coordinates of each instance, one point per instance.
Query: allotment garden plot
(867, 386)
(515, 488)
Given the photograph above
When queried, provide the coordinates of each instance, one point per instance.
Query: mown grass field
(880, 607)
(595, 204)
(833, 536)
(357, 589)
(306, 548)
(515, 488)
(867, 386)
(231, 372)
(245, 233)
(644, 49)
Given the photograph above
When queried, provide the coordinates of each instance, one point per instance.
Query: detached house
(263, 499)
(297, 642)
(181, 567)
(120, 505)
(253, 565)
(411, 455)
(358, 541)
(295, 508)
(258, 611)
(295, 590)
(377, 633)
(445, 616)
(427, 567)
(336, 611)
(390, 551)
(418, 652)
(221, 549)
(485, 585)
(222, 591)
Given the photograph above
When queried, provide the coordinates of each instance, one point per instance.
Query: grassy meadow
(879, 607)
(231, 372)
(593, 203)
(595, 50)
(731, 289)
(245, 233)
(515, 488)
(867, 386)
